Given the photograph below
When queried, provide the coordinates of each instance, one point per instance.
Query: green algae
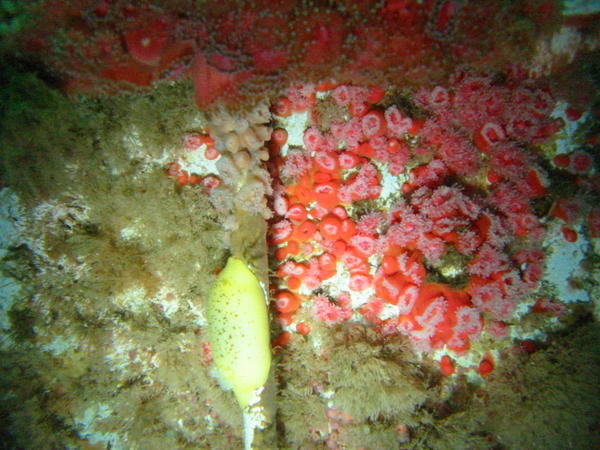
(548, 399)
(373, 380)
(117, 261)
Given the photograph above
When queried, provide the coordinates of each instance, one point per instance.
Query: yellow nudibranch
(238, 330)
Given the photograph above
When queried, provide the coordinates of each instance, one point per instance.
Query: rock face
(247, 50)
(418, 178)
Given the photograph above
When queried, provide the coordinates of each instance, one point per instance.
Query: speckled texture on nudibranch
(238, 330)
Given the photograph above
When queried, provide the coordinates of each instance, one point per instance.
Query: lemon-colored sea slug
(238, 330)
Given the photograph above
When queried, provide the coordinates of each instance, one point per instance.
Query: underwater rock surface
(417, 181)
